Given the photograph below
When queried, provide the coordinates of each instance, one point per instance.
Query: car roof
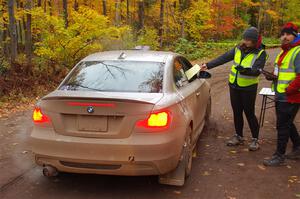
(131, 55)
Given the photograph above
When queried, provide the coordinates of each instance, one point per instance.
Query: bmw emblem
(90, 109)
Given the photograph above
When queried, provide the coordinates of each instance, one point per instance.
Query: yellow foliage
(148, 37)
(197, 20)
(272, 13)
(66, 46)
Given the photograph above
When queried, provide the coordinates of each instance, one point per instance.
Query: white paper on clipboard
(192, 71)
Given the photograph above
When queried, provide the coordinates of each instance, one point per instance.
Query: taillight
(156, 120)
(39, 117)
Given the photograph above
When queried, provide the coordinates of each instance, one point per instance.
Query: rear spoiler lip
(147, 98)
(95, 99)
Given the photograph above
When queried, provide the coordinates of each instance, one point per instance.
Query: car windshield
(116, 76)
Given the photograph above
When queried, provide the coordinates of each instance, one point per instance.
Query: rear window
(116, 76)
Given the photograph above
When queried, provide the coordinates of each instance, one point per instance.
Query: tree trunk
(45, 6)
(161, 22)
(117, 17)
(104, 7)
(2, 29)
(28, 36)
(50, 7)
(183, 5)
(76, 5)
(141, 14)
(39, 3)
(18, 24)
(127, 12)
(260, 17)
(168, 10)
(65, 12)
(13, 31)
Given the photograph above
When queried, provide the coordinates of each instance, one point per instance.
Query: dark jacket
(254, 71)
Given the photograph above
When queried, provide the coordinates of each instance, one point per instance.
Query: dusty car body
(141, 117)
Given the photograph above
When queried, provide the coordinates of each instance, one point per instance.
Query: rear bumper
(139, 154)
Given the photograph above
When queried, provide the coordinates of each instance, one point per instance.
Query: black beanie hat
(290, 28)
(251, 33)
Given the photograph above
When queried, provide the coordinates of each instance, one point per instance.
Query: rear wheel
(188, 153)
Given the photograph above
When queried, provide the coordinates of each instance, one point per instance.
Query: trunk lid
(97, 114)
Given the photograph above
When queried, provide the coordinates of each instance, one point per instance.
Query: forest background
(41, 40)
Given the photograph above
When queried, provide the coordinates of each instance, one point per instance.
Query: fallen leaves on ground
(194, 154)
(293, 179)
(261, 167)
(241, 164)
(206, 173)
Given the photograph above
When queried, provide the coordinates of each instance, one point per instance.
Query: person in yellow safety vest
(249, 57)
(287, 95)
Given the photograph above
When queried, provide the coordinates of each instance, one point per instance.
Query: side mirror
(204, 75)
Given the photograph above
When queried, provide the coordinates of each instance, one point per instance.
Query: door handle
(198, 94)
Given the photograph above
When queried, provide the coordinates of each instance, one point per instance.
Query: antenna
(122, 56)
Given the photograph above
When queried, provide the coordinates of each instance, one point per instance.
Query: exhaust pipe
(50, 171)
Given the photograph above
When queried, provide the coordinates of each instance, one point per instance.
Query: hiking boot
(276, 160)
(235, 140)
(254, 145)
(294, 155)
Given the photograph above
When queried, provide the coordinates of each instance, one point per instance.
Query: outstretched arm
(226, 57)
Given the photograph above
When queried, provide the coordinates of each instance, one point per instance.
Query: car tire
(188, 153)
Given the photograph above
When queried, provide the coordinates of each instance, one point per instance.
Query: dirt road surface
(218, 171)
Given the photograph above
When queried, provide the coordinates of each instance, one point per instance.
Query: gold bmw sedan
(132, 112)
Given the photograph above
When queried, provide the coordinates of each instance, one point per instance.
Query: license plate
(92, 123)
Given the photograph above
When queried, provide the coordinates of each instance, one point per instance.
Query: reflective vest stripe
(284, 81)
(247, 76)
(287, 70)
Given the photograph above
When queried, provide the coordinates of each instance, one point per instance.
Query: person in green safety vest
(287, 95)
(249, 57)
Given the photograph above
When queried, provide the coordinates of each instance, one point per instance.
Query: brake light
(159, 119)
(39, 117)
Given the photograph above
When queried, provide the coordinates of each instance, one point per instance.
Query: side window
(187, 65)
(178, 73)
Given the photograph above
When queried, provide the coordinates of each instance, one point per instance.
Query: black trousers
(244, 101)
(286, 113)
